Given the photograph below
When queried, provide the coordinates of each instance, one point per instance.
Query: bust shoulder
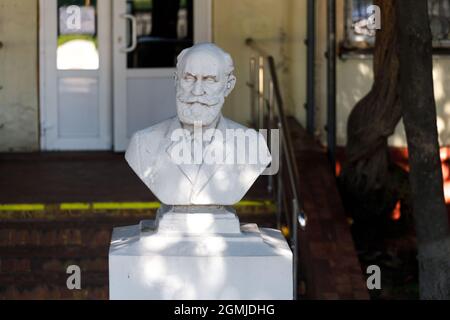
(230, 124)
(248, 131)
(155, 131)
(145, 144)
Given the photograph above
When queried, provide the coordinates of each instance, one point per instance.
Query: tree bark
(375, 117)
(371, 184)
(419, 115)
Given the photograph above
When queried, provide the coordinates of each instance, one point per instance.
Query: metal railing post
(280, 182)
(269, 127)
(294, 242)
(311, 68)
(331, 83)
(261, 93)
(299, 218)
(252, 84)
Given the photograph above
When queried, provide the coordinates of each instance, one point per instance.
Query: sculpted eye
(210, 79)
(189, 78)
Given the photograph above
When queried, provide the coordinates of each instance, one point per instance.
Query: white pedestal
(204, 256)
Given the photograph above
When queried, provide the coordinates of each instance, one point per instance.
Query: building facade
(87, 74)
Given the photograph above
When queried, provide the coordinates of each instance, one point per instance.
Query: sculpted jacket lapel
(188, 171)
(207, 171)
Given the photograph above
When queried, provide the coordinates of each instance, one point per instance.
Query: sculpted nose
(198, 89)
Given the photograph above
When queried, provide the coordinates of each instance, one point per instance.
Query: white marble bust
(204, 78)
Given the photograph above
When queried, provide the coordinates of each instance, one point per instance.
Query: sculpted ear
(180, 59)
(231, 83)
(175, 78)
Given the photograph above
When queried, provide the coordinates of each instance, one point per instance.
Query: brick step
(26, 241)
(64, 242)
(86, 222)
(89, 232)
(61, 212)
(52, 292)
(37, 247)
(33, 279)
(26, 264)
(60, 252)
(19, 237)
(43, 224)
(22, 277)
(45, 277)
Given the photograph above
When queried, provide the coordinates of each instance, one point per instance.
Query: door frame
(202, 33)
(48, 81)
(108, 88)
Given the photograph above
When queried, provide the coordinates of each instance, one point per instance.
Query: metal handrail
(275, 101)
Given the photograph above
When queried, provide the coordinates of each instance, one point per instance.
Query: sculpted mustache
(205, 101)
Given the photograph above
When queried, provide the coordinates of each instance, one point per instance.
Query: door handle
(134, 43)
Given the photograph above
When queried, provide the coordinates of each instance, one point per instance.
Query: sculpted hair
(229, 63)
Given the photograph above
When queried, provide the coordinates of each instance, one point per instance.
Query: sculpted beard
(194, 109)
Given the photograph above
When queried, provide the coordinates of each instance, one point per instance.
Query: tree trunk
(419, 115)
(369, 181)
(376, 116)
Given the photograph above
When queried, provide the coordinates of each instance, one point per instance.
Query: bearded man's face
(202, 86)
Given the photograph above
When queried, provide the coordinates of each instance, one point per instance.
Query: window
(77, 35)
(359, 36)
(164, 29)
(357, 33)
(439, 11)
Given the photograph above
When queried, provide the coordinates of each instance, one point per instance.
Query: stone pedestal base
(206, 256)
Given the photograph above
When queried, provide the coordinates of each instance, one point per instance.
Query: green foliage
(81, 3)
(62, 39)
(143, 4)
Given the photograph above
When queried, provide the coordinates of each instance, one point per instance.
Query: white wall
(19, 120)
(279, 26)
(355, 78)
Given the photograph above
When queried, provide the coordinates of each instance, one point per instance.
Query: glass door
(76, 74)
(148, 37)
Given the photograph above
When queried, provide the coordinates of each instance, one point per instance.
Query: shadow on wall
(354, 81)
(275, 27)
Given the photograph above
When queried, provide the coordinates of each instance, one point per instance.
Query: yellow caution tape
(126, 205)
(111, 206)
(22, 207)
(75, 206)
